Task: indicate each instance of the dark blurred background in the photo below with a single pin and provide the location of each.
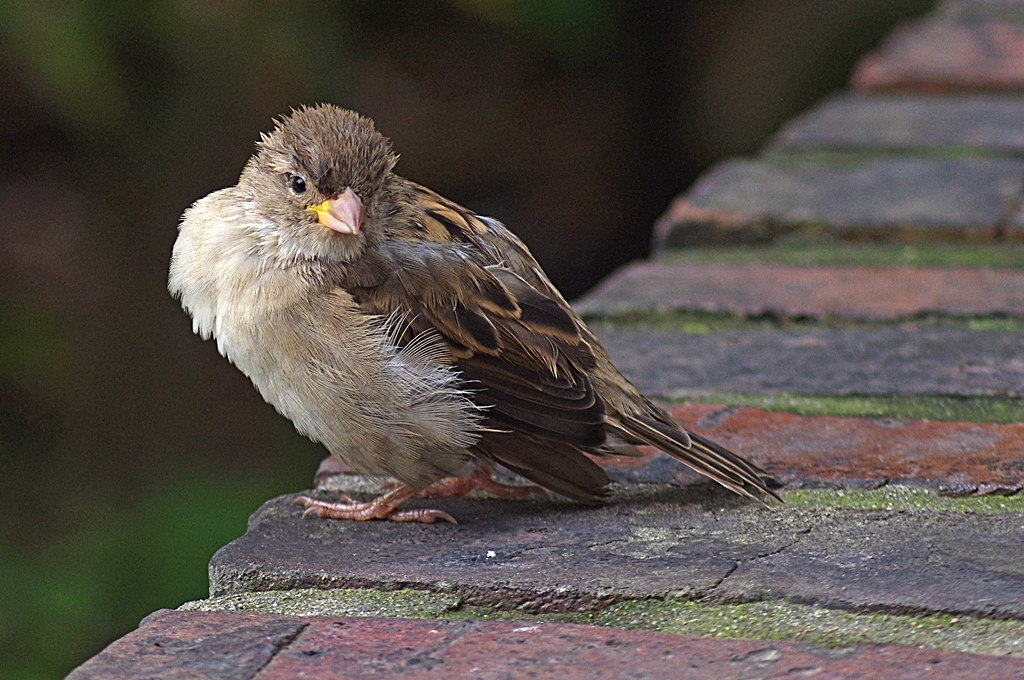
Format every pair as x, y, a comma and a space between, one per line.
129, 449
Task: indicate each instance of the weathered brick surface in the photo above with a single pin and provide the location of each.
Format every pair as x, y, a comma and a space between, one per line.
182, 645
648, 541
889, 360
509, 650
815, 292
849, 122
335, 647
800, 450
533, 555
1011, 11
941, 56
903, 561
1015, 228
896, 199
854, 453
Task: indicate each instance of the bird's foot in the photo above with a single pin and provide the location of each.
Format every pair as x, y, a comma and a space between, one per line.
481, 479
382, 507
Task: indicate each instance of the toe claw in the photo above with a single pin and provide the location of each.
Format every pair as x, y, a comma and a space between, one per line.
444, 515
424, 516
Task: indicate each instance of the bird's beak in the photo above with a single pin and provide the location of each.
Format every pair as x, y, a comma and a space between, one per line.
343, 214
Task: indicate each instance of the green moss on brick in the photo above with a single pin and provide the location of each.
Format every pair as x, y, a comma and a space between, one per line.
818, 625
415, 604
917, 407
808, 251
900, 497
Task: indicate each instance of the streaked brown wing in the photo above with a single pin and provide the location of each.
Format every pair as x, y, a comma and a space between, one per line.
520, 352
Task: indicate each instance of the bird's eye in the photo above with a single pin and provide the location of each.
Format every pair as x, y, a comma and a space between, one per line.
296, 184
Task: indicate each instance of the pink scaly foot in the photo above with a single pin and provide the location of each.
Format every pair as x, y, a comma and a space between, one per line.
480, 478
382, 507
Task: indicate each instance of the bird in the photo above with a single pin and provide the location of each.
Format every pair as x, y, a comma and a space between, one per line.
415, 339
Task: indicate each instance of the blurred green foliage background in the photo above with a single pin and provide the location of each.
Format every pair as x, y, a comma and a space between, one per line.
129, 450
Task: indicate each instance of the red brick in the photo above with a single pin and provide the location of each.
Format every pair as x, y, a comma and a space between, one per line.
985, 457
329, 647
904, 199
847, 292
171, 644
329, 467
990, 123
800, 450
940, 57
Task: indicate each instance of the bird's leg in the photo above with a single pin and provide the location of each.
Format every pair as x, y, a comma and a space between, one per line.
382, 507
481, 478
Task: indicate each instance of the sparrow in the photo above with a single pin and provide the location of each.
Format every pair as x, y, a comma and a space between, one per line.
413, 338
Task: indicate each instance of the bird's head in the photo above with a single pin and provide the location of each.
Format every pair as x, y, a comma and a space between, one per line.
323, 180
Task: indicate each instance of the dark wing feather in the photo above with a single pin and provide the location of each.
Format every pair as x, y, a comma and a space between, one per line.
703, 455
566, 411
537, 311
629, 414
554, 465
520, 352
550, 392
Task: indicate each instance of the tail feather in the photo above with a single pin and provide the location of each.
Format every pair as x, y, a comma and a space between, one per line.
557, 466
703, 455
